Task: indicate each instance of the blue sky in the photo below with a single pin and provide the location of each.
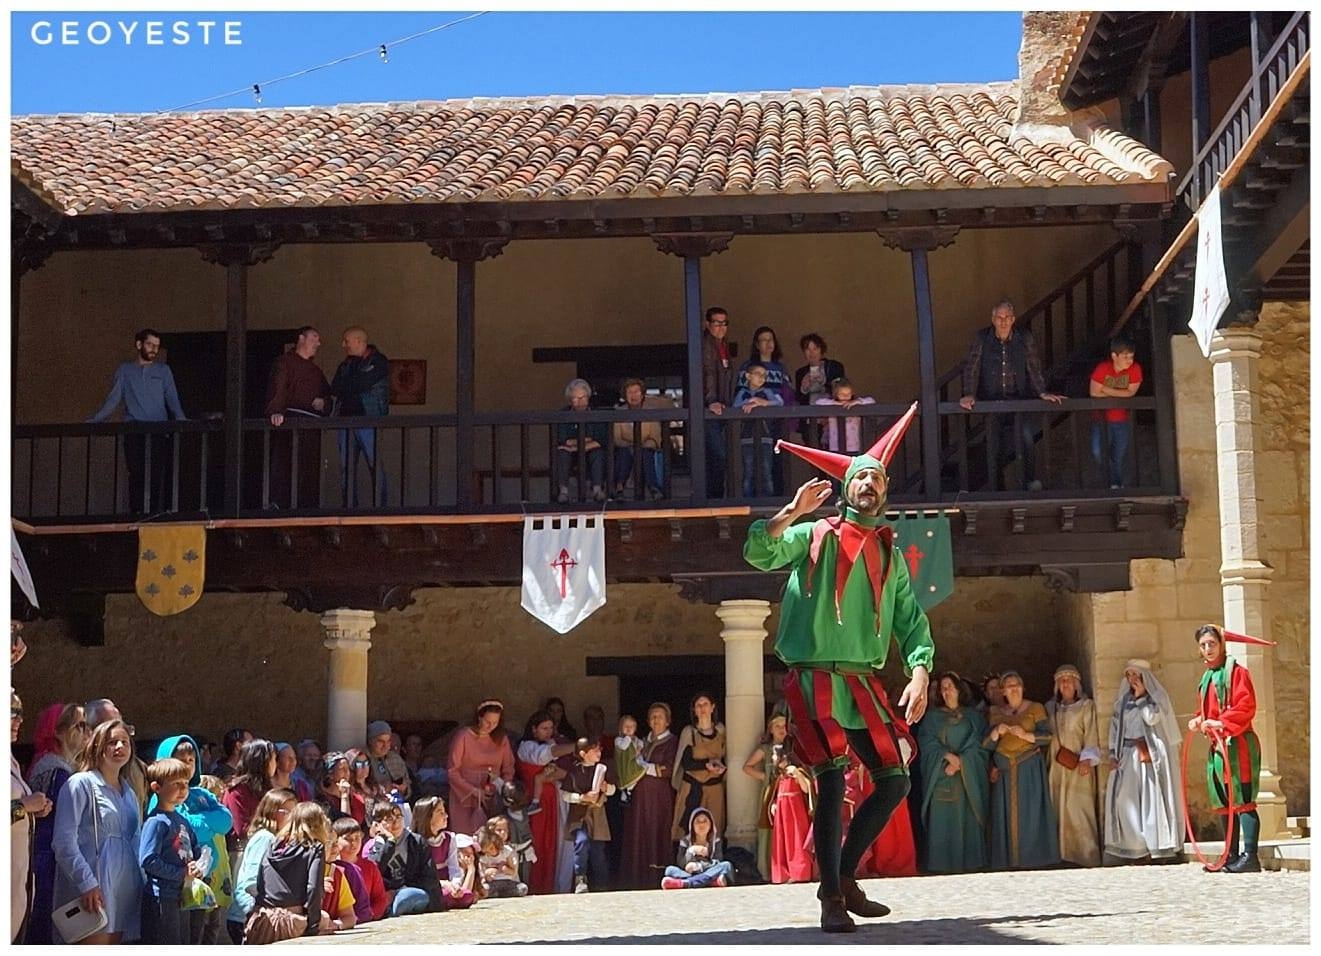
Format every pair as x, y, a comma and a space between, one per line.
499, 54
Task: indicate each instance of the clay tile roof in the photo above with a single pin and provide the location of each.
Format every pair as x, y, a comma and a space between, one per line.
858, 139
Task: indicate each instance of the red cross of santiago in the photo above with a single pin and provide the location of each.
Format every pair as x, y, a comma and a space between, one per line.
914, 558
562, 564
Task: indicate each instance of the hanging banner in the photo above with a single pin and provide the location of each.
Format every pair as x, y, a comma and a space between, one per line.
924, 541
171, 567
19, 566
563, 568
1211, 288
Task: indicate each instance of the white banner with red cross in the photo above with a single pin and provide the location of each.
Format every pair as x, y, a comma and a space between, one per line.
563, 568
1210, 287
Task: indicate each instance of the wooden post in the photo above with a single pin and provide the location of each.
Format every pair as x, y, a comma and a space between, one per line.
691, 247
236, 258
917, 241
692, 313
1151, 133
15, 298
236, 349
466, 253
465, 379
1199, 53
926, 356
1162, 373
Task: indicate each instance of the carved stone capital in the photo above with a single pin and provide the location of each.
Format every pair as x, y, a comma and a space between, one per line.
686, 244
319, 600
467, 250
909, 238
238, 253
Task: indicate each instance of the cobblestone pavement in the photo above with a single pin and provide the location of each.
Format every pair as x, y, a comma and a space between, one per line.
1144, 904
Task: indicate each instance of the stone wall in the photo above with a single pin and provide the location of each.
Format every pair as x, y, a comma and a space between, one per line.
248, 659
1169, 599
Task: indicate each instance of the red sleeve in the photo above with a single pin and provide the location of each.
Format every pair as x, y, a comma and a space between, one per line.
234, 804
1099, 373
1237, 717
371, 875
1135, 374
277, 394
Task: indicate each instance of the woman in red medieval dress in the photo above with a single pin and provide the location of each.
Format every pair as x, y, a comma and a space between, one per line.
536, 768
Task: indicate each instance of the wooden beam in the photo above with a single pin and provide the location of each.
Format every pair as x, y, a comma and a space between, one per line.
1199, 51
236, 346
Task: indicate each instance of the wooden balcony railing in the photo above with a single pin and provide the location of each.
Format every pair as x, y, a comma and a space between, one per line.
408, 464
1228, 139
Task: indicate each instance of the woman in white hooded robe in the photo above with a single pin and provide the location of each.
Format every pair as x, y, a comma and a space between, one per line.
1143, 802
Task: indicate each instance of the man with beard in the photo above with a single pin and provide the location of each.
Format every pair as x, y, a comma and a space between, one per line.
146, 389
1226, 705
847, 597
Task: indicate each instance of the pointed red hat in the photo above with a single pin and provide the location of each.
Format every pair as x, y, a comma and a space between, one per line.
1246, 639
838, 466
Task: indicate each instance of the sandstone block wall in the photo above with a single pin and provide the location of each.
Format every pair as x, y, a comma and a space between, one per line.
237, 659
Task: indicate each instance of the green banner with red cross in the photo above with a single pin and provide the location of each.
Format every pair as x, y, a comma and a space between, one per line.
924, 542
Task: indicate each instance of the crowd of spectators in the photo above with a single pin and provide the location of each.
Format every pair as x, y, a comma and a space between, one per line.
250, 840
1002, 364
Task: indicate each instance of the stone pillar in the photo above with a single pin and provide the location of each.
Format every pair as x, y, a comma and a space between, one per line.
1244, 576
349, 637
744, 635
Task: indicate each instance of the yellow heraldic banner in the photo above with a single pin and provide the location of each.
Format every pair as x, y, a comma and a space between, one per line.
171, 567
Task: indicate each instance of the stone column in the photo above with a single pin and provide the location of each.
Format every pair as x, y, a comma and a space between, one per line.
744, 635
1244, 576
349, 637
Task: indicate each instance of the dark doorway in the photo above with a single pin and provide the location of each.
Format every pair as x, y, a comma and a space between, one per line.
672, 680
197, 360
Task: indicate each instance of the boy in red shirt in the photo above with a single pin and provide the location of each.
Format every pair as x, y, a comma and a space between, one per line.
1120, 376
349, 834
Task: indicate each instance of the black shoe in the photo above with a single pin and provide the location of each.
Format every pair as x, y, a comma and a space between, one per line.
855, 900
835, 916
1245, 862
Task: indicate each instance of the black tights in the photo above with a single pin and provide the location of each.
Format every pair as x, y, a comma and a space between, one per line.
869, 819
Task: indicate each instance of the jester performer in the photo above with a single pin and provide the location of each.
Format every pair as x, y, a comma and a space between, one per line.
1226, 704
847, 596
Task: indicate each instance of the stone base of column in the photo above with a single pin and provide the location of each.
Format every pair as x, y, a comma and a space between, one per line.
1272, 808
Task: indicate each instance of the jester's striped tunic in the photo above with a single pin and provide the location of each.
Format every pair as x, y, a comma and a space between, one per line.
1226, 694
834, 650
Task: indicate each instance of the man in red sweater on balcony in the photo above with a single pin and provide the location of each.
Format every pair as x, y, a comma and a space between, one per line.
297, 385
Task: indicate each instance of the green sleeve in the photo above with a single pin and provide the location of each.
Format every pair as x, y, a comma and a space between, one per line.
911, 628
766, 553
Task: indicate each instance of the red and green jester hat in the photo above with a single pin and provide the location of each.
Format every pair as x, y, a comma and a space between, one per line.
848, 595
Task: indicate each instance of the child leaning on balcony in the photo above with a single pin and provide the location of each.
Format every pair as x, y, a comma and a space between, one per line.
751, 396
843, 435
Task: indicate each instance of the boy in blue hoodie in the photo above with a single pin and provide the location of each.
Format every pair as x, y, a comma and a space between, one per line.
758, 464
210, 819
168, 854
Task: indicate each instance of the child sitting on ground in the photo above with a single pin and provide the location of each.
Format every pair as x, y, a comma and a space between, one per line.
168, 852
338, 899
701, 856
518, 827
585, 789
292, 879
430, 820
372, 902
757, 463
498, 865
404, 859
